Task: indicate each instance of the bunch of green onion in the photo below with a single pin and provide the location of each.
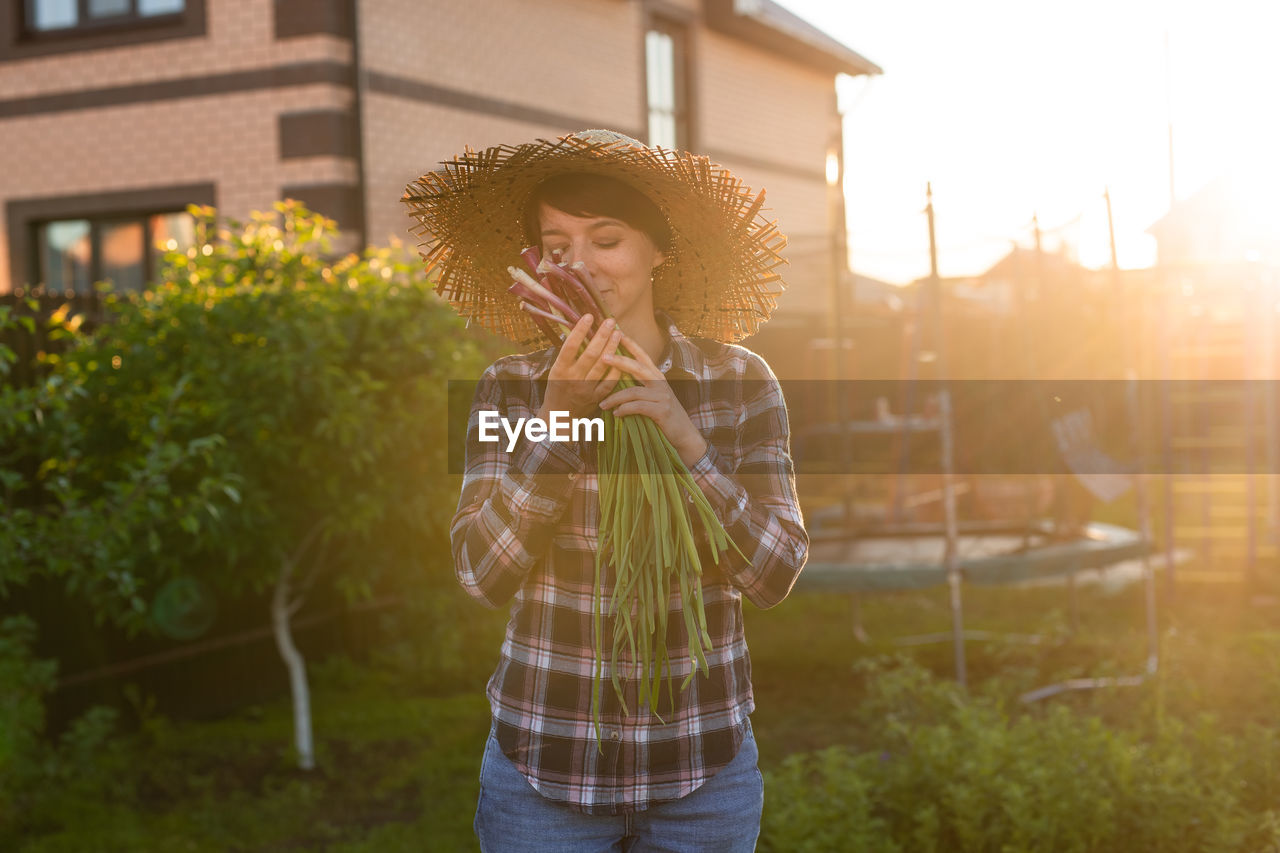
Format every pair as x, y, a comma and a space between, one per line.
648, 500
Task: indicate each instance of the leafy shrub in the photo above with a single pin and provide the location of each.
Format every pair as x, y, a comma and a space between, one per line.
440, 641
24, 682
30, 767
964, 773
263, 404
324, 380
824, 801
265, 417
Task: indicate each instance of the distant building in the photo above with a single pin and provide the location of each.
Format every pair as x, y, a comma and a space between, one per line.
1233, 219
115, 116
800, 342
1002, 289
869, 294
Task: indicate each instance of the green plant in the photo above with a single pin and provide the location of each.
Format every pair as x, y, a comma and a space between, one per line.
64, 513
965, 773
264, 418
31, 769
823, 801
24, 682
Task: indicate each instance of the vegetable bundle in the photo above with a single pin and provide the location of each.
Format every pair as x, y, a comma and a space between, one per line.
648, 500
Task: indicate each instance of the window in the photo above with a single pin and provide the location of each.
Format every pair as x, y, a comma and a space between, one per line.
45, 27
49, 16
666, 85
71, 254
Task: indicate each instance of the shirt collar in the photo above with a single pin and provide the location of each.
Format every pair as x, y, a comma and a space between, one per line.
680, 353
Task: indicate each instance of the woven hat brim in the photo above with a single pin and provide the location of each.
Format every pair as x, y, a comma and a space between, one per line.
719, 279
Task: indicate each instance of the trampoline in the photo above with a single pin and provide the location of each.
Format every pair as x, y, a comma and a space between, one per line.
911, 556
844, 558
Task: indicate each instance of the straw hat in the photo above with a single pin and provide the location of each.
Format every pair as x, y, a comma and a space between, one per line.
717, 282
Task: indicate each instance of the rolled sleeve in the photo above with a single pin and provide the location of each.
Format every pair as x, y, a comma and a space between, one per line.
727, 497
755, 499
510, 503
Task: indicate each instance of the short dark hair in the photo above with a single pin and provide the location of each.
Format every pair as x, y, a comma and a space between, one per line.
585, 194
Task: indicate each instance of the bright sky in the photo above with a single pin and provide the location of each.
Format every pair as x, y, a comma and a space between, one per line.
1012, 108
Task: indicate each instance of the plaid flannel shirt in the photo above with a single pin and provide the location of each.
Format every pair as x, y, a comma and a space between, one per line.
526, 529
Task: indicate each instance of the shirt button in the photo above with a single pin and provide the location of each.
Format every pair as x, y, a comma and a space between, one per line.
614, 736
573, 478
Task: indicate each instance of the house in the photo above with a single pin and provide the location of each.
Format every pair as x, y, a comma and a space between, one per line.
1020, 317
114, 117
800, 342
1230, 220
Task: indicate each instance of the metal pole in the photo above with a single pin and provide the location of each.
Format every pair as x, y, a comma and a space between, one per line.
1111, 236
1168, 109
839, 262
950, 557
1139, 453
1166, 430
908, 405
1029, 371
1267, 318
1144, 526
841, 249
1250, 408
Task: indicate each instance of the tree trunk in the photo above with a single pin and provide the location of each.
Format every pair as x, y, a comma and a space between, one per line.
282, 610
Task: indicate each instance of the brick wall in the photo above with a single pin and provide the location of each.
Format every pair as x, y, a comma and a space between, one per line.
771, 122
754, 104
435, 77
240, 36
140, 138
575, 57
548, 70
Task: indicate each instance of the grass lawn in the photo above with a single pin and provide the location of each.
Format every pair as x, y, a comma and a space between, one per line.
398, 759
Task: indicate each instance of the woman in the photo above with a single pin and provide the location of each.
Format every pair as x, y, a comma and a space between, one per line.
675, 245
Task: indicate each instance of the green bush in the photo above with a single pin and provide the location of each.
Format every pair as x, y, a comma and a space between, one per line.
31, 768
24, 682
265, 418
439, 641
263, 409
824, 801
969, 773
324, 381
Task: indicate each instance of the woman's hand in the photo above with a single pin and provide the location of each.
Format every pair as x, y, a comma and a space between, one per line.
655, 399
577, 382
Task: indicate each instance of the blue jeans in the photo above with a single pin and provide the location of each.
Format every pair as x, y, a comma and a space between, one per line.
722, 815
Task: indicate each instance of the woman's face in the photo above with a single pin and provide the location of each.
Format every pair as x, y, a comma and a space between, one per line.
619, 257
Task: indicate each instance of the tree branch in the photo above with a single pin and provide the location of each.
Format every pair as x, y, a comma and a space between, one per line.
317, 566
307, 539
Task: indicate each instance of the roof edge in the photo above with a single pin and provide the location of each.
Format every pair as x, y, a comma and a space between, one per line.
766, 24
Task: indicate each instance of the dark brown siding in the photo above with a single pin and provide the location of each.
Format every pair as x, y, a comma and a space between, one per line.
318, 133
297, 74
309, 17
336, 201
